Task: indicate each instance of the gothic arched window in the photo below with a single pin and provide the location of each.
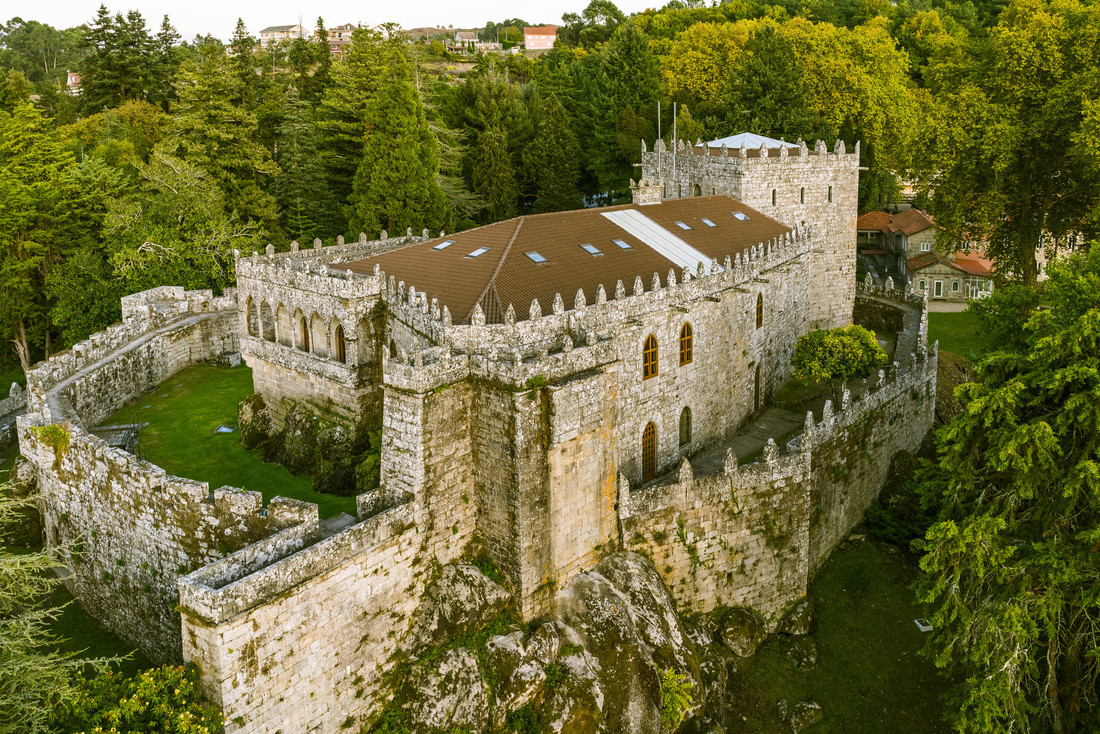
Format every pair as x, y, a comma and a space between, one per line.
686, 345
649, 357
685, 426
649, 452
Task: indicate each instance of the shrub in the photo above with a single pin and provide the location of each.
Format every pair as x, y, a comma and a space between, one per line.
676, 697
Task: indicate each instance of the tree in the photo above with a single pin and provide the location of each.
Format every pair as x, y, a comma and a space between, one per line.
307, 206
837, 355
767, 89
166, 62
119, 61
593, 26
176, 230
1009, 133
493, 178
555, 161
1011, 565
211, 132
395, 185
34, 676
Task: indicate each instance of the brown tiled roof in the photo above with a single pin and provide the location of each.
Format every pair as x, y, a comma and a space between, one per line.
966, 262
506, 275
541, 30
909, 221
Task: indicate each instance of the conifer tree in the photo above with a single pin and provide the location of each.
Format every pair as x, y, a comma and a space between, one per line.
555, 160
244, 66
118, 64
396, 184
493, 179
166, 62
307, 206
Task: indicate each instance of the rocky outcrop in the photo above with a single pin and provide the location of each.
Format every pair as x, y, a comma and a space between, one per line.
801, 715
742, 630
460, 600
799, 619
253, 421
450, 694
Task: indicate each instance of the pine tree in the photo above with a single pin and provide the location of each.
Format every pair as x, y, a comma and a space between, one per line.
355, 82
244, 66
119, 63
396, 185
555, 160
165, 64
308, 208
494, 180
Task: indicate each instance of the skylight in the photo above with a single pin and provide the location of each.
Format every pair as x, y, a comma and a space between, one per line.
742, 216
623, 244
682, 225
707, 222
477, 252
444, 245
591, 249
536, 257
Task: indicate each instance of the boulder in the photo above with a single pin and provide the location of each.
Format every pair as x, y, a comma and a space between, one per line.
296, 445
805, 714
742, 630
576, 703
623, 615
799, 619
801, 651
23, 479
335, 444
460, 600
253, 421
521, 669
450, 695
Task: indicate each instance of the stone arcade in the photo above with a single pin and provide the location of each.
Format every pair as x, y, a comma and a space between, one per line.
561, 386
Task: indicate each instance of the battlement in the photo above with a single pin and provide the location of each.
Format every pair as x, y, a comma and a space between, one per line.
820, 152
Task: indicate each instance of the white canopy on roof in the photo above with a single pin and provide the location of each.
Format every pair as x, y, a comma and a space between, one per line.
750, 141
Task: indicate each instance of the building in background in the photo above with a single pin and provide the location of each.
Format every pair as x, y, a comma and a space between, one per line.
539, 37
339, 38
277, 33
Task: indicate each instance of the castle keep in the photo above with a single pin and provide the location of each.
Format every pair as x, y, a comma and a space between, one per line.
557, 385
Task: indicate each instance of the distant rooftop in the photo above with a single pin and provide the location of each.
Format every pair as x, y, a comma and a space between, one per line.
749, 140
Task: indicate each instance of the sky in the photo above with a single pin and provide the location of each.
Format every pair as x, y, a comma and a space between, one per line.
219, 18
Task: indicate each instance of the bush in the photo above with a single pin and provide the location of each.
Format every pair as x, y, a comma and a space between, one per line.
676, 698
161, 700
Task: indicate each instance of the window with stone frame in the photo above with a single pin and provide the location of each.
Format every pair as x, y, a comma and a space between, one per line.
649, 357
685, 426
649, 452
686, 345
303, 330
340, 351
759, 310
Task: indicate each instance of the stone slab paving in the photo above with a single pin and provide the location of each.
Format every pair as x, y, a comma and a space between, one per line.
771, 423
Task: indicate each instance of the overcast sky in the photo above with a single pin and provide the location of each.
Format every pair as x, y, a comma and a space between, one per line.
219, 18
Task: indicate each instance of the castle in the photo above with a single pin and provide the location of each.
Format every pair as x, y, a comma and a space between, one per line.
557, 385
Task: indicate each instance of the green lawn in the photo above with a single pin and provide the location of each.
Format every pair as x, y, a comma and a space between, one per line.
956, 332
10, 372
869, 677
81, 635
183, 414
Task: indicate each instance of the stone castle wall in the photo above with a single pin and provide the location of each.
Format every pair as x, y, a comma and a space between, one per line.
753, 535
128, 529
798, 187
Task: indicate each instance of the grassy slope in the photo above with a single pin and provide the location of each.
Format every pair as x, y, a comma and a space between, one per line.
869, 677
10, 372
183, 413
956, 332
80, 634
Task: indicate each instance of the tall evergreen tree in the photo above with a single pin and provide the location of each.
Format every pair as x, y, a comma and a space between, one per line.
555, 160
242, 46
119, 63
166, 61
355, 82
307, 207
212, 133
768, 91
494, 180
396, 184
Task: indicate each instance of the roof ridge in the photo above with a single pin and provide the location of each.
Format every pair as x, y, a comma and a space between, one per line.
493, 278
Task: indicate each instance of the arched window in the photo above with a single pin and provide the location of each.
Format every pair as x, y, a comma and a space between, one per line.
393, 350
303, 330
954, 286
773, 197
686, 354
759, 310
697, 191
267, 321
830, 194
685, 426
251, 314
649, 452
340, 353
649, 357
802, 195
921, 285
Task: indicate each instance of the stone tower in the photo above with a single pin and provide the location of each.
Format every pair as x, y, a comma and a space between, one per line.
786, 181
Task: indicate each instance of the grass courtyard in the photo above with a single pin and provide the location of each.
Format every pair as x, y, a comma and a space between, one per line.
183, 414
956, 332
869, 677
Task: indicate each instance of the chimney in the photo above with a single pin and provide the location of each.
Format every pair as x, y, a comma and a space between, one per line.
647, 191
